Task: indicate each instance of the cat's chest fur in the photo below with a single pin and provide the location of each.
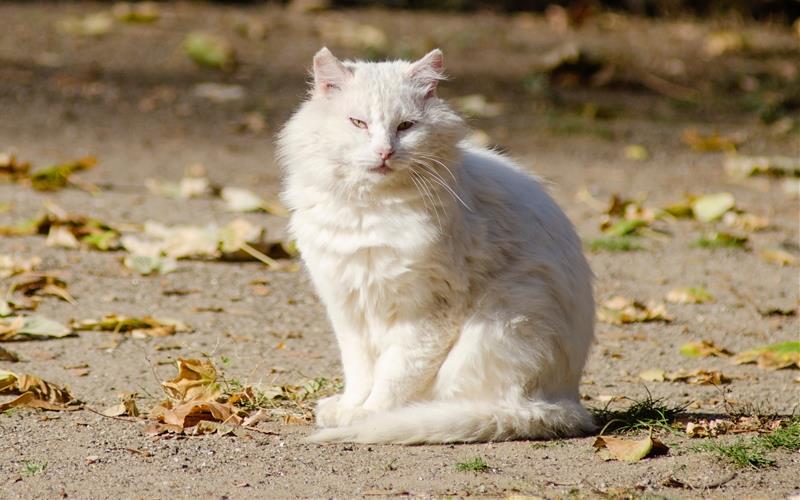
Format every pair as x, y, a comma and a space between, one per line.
386, 261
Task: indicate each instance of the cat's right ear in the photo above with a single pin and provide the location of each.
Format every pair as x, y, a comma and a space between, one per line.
329, 72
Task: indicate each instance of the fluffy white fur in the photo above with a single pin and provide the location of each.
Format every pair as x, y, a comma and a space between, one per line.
457, 288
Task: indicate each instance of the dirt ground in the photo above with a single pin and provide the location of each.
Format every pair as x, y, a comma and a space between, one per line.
130, 99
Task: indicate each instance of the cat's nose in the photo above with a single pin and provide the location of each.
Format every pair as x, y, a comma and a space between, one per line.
386, 153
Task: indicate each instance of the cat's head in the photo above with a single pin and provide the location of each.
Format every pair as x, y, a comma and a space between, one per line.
369, 124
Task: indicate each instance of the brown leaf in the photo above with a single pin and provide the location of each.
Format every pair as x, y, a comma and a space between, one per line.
33, 392
621, 310
196, 381
42, 284
699, 377
190, 414
6, 355
145, 326
126, 407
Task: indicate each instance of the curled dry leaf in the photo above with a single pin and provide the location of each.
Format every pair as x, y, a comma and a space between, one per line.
12, 170
58, 176
41, 284
775, 166
89, 231
778, 256
699, 377
689, 295
711, 142
33, 392
136, 327
620, 310
6, 355
745, 221
11, 265
628, 450
196, 381
126, 407
31, 327
720, 239
773, 356
703, 349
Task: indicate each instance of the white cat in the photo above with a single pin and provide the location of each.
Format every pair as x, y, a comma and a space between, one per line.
458, 291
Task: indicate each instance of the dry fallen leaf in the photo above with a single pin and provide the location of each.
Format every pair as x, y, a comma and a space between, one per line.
145, 326
33, 392
703, 349
196, 381
711, 142
139, 12
41, 284
745, 221
710, 207
698, 377
653, 375
776, 166
689, 295
6, 355
628, 450
773, 356
11, 265
620, 310
31, 327
778, 256
58, 176
126, 407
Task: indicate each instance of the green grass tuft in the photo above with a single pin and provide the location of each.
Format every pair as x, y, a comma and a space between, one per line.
741, 453
476, 464
753, 452
613, 244
648, 413
31, 468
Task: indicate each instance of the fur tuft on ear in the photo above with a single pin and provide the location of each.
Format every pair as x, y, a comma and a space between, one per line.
428, 70
329, 72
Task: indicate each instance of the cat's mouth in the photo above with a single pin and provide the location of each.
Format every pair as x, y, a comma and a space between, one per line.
382, 169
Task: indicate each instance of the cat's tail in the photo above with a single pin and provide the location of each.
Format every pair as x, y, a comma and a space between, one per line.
463, 422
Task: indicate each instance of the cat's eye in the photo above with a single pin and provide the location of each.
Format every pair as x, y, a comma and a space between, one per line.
358, 123
404, 126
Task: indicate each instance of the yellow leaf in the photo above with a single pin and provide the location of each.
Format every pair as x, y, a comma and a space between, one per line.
703, 349
628, 450
778, 256
710, 207
689, 295
773, 356
652, 375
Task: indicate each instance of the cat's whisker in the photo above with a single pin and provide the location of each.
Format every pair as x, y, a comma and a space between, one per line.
426, 194
440, 162
438, 179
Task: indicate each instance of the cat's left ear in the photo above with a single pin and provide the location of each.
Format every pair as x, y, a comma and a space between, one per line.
428, 71
329, 72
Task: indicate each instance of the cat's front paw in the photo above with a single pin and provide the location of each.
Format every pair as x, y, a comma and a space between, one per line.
333, 412
327, 411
